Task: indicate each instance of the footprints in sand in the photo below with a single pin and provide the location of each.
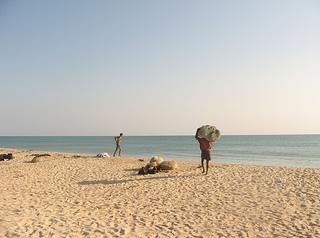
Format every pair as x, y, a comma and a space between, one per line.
85, 197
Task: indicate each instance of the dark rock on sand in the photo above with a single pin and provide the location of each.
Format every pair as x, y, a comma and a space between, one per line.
4, 157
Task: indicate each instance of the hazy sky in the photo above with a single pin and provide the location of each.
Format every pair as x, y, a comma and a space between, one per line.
159, 67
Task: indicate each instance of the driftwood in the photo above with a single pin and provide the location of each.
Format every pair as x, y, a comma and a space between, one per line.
40, 155
36, 157
35, 160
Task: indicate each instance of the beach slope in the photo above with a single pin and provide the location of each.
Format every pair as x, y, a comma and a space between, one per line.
63, 195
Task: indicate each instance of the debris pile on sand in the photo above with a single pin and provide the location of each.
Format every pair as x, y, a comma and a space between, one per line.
158, 164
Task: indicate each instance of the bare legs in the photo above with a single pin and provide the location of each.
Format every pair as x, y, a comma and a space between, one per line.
207, 165
117, 148
202, 165
205, 155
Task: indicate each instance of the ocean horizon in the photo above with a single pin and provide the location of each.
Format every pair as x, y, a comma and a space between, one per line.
275, 150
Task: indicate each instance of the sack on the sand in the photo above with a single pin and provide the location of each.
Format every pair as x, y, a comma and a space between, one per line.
168, 165
103, 155
157, 159
211, 133
152, 164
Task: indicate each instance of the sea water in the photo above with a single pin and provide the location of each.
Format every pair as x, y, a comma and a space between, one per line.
279, 150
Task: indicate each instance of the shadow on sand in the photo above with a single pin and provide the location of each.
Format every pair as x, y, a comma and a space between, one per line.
108, 182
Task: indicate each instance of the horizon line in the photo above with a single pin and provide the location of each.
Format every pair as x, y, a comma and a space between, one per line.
280, 134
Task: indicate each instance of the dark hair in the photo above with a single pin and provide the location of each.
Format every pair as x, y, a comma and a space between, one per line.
121, 134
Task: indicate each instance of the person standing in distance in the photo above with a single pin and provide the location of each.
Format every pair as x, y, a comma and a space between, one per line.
205, 147
118, 140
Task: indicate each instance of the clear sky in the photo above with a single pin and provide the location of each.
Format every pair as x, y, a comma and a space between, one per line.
159, 67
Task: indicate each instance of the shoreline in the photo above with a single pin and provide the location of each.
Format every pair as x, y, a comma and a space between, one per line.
96, 197
288, 151
196, 161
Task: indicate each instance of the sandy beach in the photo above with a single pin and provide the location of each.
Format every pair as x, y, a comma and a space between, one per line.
64, 195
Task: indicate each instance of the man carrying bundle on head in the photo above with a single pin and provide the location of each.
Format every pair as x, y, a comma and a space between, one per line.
206, 135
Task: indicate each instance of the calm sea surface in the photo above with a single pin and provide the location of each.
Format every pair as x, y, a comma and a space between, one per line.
283, 150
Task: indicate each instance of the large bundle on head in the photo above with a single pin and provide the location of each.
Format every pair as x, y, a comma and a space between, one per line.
211, 133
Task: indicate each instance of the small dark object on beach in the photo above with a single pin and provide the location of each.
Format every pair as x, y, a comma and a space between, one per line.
153, 170
4, 157
143, 171
149, 170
